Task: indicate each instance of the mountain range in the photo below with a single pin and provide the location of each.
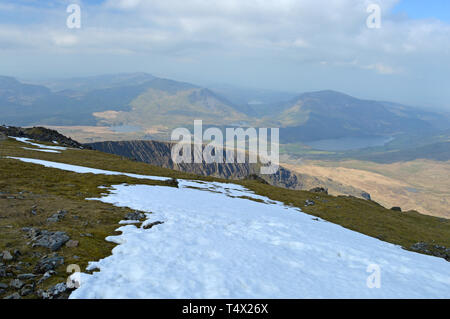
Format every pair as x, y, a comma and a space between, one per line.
152, 104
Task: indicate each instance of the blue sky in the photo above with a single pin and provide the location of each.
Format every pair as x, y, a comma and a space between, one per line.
424, 9
289, 45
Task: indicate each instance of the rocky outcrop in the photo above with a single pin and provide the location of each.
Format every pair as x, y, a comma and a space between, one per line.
159, 154
39, 134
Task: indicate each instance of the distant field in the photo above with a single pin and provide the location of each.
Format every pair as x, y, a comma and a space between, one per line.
421, 185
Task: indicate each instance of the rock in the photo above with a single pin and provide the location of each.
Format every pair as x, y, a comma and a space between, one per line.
4, 272
366, 196
27, 290
49, 263
148, 226
72, 243
3, 286
16, 283
6, 255
47, 275
17, 253
86, 235
47, 239
2, 291
173, 182
135, 216
432, 249
26, 276
319, 190
13, 296
309, 202
396, 209
57, 217
55, 291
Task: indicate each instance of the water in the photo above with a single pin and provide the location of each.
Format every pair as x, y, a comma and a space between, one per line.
349, 143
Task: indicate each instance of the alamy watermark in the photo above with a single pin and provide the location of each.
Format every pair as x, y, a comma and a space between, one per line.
74, 19
210, 146
374, 19
374, 279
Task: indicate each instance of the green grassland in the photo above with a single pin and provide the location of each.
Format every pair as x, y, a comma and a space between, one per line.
23, 185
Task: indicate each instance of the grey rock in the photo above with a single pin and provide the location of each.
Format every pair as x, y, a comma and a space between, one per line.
27, 290
57, 217
319, 190
86, 235
47, 275
13, 296
55, 291
366, 196
432, 249
149, 226
52, 240
3, 286
7, 256
48, 263
135, 216
309, 202
2, 291
26, 276
16, 283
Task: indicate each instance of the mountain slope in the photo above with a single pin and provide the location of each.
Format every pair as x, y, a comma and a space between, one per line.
208, 226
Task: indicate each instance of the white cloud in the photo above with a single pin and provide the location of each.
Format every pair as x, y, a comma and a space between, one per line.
328, 34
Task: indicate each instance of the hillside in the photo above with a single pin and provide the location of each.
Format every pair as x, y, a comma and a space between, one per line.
44, 193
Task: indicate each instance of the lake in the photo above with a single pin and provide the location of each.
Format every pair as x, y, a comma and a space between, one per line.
349, 143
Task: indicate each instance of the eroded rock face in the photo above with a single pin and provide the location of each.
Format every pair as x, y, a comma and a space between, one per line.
160, 154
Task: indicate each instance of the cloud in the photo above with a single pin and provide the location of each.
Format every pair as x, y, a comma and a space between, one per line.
332, 35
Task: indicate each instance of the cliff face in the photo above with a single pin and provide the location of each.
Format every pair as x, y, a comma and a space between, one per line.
159, 154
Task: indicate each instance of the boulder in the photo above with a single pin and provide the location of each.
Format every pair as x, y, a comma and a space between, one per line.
7, 256
319, 190
49, 263
309, 202
16, 283
135, 216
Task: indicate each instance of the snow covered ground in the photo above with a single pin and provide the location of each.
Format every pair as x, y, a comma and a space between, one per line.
214, 244
41, 147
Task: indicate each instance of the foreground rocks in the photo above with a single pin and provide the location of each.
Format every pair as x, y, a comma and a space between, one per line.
57, 217
135, 216
47, 239
431, 249
48, 263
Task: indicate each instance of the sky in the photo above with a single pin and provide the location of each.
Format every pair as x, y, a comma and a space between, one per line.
286, 45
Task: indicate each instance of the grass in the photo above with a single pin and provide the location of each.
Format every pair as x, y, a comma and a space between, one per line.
51, 190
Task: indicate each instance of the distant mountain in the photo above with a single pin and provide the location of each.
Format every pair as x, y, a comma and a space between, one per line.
91, 83
159, 105
331, 115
